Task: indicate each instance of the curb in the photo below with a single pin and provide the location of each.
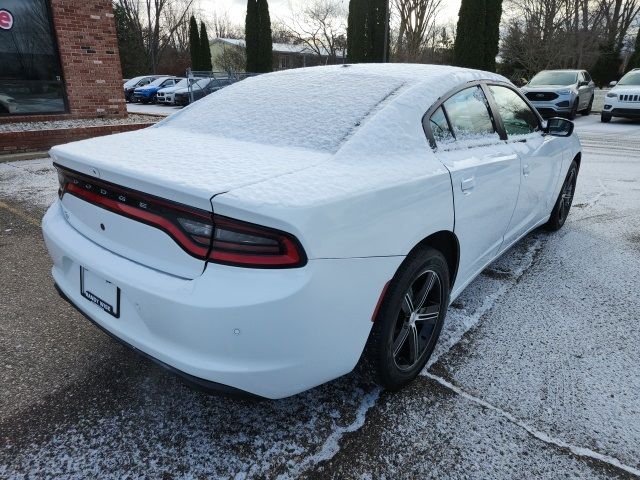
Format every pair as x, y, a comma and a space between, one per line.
17, 157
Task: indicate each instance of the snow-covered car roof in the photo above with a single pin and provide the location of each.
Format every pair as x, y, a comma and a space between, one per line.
316, 108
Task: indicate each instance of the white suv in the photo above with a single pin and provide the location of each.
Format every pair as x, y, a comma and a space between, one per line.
624, 98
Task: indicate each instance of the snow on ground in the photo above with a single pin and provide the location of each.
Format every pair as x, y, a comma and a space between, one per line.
536, 373
153, 109
74, 123
31, 182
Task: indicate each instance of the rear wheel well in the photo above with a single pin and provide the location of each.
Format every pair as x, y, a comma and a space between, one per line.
578, 159
446, 243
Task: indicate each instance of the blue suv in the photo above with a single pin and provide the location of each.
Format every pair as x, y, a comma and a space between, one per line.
147, 94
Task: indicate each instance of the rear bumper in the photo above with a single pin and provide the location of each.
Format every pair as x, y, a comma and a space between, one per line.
272, 333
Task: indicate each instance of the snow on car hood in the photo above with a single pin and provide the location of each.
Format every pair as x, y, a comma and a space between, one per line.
184, 166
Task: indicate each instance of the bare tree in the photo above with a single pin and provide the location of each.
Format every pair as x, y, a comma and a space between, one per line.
417, 27
156, 23
222, 26
564, 33
320, 25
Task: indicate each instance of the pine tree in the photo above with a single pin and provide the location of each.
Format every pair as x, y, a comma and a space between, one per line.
469, 47
194, 44
251, 35
378, 20
205, 50
356, 31
366, 30
607, 67
492, 33
265, 45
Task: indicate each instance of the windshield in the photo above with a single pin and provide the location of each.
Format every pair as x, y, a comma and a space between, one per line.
554, 78
182, 83
631, 78
157, 82
132, 82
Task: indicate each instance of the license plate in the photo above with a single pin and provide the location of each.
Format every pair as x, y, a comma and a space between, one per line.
100, 292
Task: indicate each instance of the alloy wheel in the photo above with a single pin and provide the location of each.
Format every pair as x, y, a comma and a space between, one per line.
566, 197
417, 319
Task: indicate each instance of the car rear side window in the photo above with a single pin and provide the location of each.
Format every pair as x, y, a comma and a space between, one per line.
517, 117
440, 127
468, 113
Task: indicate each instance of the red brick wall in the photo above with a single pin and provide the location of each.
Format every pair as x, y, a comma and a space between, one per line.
88, 46
40, 140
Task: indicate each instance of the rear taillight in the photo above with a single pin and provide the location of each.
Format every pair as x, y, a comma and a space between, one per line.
246, 244
209, 237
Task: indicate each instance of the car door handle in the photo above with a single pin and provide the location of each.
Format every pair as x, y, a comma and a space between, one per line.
526, 170
468, 184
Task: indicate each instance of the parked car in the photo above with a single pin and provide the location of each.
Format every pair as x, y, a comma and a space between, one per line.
200, 89
131, 85
561, 92
147, 94
166, 96
258, 240
623, 100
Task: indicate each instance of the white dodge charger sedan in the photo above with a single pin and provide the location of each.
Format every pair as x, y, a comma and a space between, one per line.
260, 239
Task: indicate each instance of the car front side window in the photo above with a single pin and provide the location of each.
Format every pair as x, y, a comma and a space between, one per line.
517, 117
468, 113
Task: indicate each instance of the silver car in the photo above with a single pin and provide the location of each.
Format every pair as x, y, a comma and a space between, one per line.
561, 93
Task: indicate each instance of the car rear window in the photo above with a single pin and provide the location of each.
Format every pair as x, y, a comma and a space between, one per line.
313, 110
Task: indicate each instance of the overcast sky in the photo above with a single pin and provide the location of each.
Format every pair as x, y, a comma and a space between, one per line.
280, 8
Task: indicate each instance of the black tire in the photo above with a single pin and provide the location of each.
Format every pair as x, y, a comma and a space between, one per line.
574, 111
587, 111
561, 209
604, 118
400, 342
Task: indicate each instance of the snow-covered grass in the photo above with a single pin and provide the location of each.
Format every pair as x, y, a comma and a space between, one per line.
75, 123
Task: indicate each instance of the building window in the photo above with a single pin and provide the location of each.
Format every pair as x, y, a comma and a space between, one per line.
31, 76
285, 62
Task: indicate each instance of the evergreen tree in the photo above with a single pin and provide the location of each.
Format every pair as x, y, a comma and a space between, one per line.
194, 44
205, 50
379, 41
265, 45
251, 35
492, 33
366, 30
607, 67
469, 47
634, 61
356, 31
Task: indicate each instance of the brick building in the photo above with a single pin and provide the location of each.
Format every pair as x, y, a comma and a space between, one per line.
59, 60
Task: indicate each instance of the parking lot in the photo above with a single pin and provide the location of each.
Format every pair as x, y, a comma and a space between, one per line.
537, 372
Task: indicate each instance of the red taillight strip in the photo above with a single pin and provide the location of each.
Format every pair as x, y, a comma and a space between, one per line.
140, 215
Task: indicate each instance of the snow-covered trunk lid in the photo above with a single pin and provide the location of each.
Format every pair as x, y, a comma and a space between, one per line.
137, 194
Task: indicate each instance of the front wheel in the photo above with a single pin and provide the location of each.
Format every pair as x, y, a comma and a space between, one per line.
574, 111
604, 118
561, 209
410, 318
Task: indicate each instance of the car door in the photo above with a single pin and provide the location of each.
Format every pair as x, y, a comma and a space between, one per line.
540, 158
584, 91
485, 175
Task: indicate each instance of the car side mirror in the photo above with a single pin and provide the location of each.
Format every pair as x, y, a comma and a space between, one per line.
559, 127
613, 83
583, 83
